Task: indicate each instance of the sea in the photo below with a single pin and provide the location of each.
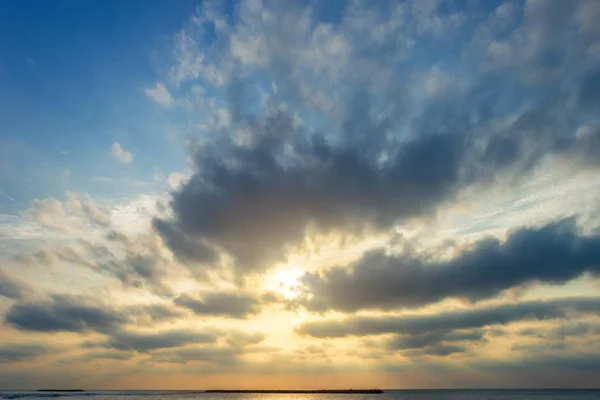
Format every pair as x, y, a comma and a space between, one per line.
471, 394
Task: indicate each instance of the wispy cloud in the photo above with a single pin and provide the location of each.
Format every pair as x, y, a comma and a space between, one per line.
160, 95
121, 155
3, 193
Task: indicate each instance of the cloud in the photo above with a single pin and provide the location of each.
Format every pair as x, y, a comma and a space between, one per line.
288, 180
440, 349
136, 260
112, 241
12, 288
217, 355
239, 338
121, 155
120, 356
160, 95
221, 304
191, 57
533, 44
239, 342
186, 248
567, 362
81, 314
478, 317
63, 313
235, 192
589, 91
138, 270
52, 255
303, 58
15, 352
86, 208
149, 314
538, 347
143, 342
430, 342
562, 332
554, 253
45, 211
54, 220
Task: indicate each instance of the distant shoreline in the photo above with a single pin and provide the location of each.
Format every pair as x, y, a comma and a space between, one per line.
345, 391
60, 390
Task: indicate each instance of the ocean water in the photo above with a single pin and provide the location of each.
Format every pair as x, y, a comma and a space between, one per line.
489, 394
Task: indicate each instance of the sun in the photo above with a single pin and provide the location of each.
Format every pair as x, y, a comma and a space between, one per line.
285, 280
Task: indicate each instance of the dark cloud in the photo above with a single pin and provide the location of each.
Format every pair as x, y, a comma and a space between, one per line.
546, 346
185, 247
432, 339
439, 349
251, 201
239, 342
110, 356
440, 342
268, 177
142, 264
545, 23
554, 253
63, 313
589, 91
21, 351
12, 288
530, 332
80, 314
136, 261
143, 342
568, 330
452, 320
567, 362
562, 332
151, 313
221, 304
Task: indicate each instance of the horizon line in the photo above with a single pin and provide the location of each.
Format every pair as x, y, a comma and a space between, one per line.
355, 389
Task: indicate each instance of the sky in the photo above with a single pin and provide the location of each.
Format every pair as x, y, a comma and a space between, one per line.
299, 194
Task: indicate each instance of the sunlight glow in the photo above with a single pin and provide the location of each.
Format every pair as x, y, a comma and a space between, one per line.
286, 280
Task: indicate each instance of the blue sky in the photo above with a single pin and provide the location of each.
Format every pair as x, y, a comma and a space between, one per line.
401, 193
73, 79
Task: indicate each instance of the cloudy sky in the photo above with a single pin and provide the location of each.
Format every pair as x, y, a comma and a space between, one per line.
298, 194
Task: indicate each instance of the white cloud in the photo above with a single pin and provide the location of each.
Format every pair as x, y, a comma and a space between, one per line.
176, 179
500, 52
437, 82
428, 19
191, 61
76, 211
160, 94
120, 154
